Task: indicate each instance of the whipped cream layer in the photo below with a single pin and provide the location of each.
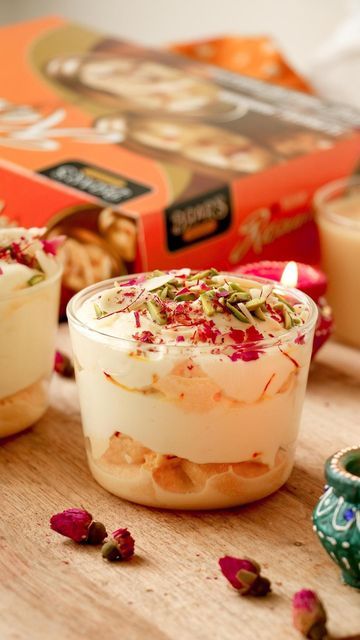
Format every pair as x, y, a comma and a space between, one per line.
206, 367
29, 300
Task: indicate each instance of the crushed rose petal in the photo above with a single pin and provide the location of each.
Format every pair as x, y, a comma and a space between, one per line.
51, 246
208, 331
145, 336
245, 355
253, 335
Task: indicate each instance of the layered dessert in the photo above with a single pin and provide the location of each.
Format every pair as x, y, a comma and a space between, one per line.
191, 385
29, 303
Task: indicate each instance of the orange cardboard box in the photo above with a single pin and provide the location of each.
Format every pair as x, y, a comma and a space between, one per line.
146, 159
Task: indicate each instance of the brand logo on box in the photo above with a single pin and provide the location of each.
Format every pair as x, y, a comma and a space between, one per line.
106, 185
197, 219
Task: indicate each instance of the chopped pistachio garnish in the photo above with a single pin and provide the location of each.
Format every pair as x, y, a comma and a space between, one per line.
157, 273
255, 303
176, 298
237, 313
284, 301
185, 297
201, 275
234, 286
99, 311
156, 313
207, 305
287, 319
246, 312
39, 277
260, 314
239, 296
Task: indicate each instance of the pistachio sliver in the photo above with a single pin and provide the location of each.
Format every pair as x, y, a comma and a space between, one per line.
260, 314
38, 277
156, 313
99, 311
237, 313
239, 296
185, 297
234, 286
163, 293
284, 301
171, 291
201, 275
255, 303
287, 319
207, 305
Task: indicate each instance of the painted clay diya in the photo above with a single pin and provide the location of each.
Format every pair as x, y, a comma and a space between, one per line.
336, 517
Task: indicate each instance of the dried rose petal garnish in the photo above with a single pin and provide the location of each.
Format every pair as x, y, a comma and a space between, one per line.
52, 245
205, 308
120, 546
79, 526
23, 246
309, 615
244, 575
63, 365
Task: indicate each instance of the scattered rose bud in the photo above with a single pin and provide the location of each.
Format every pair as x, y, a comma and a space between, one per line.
244, 575
63, 365
309, 615
120, 546
78, 525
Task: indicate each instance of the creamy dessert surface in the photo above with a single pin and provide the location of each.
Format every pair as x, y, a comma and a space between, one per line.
26, 259
181, 307
203, 369
29, 300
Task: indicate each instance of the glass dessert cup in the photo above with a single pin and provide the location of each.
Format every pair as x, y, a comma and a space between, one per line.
185, 426
337, 208
29, 320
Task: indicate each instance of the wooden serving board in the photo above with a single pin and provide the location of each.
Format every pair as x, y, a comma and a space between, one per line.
52, 589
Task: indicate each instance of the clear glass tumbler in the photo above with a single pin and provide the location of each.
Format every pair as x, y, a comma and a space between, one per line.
29, 320
182, 426
337, 208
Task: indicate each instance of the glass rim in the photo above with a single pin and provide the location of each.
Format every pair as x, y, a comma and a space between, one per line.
322, 199
286, 336
28, 291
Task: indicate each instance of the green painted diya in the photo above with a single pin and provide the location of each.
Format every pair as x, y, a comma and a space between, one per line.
336, 517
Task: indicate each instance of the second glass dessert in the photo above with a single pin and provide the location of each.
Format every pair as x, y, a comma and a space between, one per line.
30, 277
191, 385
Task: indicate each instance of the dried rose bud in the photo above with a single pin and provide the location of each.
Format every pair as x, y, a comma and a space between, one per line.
309, 615
63, 365
120, 546
78, 525
244, 575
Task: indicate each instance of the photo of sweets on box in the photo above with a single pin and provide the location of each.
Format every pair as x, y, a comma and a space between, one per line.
146, 159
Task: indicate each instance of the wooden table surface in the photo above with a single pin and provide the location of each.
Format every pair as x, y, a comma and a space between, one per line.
52, 589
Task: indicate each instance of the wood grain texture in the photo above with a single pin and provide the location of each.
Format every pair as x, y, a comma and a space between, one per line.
51, 588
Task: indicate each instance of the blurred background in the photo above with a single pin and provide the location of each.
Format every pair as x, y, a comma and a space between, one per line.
300, 27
